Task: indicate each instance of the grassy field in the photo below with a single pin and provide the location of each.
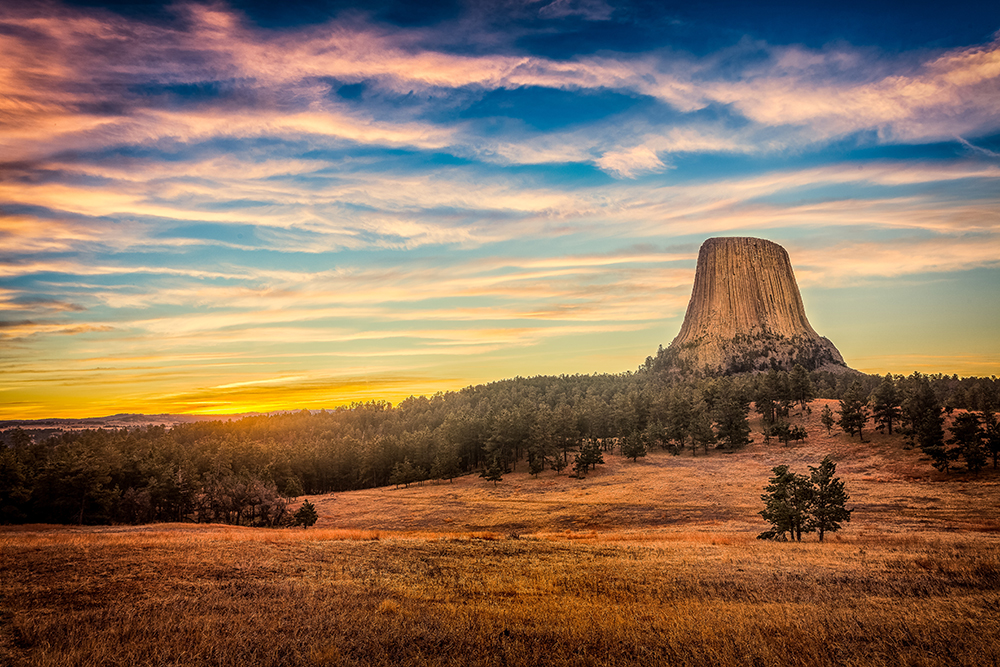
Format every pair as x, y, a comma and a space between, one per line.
653, 562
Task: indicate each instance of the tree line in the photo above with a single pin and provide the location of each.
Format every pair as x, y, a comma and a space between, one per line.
912, 407
243, 472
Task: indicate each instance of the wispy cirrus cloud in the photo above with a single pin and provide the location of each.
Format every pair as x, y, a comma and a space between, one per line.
849, 262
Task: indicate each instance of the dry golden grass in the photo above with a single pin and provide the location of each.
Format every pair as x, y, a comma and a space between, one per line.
640, 564
190, 595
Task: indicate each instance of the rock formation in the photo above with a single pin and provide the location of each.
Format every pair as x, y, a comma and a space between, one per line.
746, 314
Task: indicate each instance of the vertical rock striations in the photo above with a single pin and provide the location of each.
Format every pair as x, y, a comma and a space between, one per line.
746, 314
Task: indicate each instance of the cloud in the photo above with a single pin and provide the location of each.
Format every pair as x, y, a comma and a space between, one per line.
19, 329
847, 263
77, 268
631, 162
977, 149
278, 84
943, 95
591, 10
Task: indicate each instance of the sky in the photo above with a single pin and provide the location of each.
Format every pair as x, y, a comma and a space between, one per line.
227, 207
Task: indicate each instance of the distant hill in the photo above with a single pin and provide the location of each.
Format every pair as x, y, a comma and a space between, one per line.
127, 420
894, 491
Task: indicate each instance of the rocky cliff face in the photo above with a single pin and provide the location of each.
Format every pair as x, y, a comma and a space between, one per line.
746, 314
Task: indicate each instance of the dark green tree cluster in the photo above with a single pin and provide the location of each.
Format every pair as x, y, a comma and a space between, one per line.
970, 393
633, 446
914, 406
589, 457
775, 394
795, 504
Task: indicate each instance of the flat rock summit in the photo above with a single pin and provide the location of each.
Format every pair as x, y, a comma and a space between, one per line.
746, 314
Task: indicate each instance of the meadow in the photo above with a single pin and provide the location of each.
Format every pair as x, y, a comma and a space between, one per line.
647, 562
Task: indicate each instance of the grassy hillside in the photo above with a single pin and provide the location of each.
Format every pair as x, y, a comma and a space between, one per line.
652, 562
893, 490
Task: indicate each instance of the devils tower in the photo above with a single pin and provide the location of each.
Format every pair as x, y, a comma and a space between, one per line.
746, 314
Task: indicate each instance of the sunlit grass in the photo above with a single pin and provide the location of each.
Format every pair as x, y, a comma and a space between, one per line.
651, 563
234, 597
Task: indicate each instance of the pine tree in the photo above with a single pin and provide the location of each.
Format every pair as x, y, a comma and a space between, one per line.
796, 504
633, 446
781, 389
967, 437
787, 501
445, 466
826, 418
991, 434
802, 387
494, 472
403, 473
885, 403
764, 401
829, 498
854, 411
291, 487
782, 430
732, 425
701, 429
306, 515
655, 434
798, 433
678, 419
924, 423
590, 454
536, 464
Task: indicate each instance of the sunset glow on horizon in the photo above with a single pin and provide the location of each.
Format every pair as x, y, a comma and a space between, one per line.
214, 208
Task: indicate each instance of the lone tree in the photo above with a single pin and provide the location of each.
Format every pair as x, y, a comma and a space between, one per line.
828, 499
306, 515
796, 504
787, 501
